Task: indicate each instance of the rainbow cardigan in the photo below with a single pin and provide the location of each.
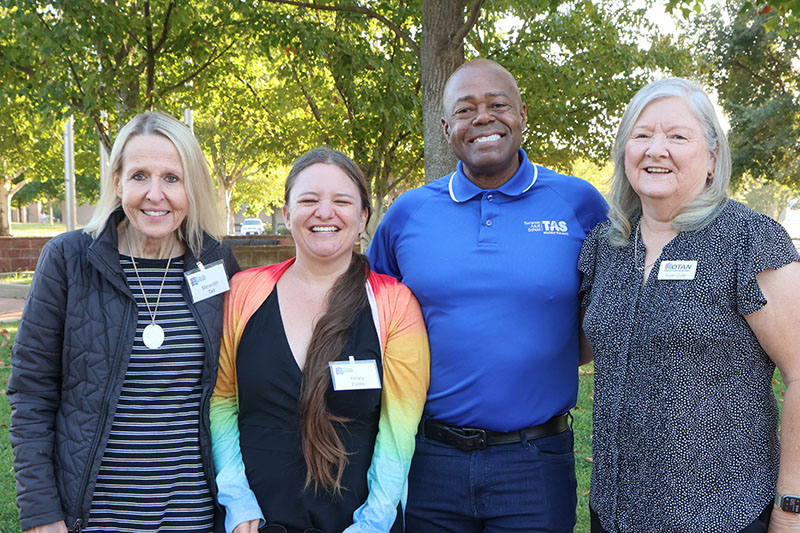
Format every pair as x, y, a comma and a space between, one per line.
406, 372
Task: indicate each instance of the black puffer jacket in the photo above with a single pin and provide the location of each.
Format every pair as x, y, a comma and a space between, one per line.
68, 364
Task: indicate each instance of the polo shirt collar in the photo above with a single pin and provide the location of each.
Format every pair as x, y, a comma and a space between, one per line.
462, 189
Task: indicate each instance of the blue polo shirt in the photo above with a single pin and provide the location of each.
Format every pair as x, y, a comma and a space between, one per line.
495, 271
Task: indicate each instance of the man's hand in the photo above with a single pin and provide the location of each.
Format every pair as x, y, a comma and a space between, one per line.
55, 527
251, 526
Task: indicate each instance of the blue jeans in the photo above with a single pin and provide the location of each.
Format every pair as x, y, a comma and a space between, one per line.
526, 487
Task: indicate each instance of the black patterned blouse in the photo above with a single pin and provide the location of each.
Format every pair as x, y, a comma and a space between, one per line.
685, 420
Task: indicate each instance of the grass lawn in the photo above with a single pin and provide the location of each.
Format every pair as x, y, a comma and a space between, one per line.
8, 509
582, 426
23, 278
31, 229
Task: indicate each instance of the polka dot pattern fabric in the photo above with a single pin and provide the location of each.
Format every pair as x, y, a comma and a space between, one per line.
685, 421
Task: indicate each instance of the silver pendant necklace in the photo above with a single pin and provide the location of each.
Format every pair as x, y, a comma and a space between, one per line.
153, 334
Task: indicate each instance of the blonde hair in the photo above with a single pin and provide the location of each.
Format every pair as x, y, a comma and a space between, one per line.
624, 203
203, 213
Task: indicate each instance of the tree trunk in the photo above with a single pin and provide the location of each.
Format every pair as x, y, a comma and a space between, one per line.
7, 192
5, 211
440, 55
378, 210
225, 194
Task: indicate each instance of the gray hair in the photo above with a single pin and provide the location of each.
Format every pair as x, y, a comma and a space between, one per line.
203, 213
625, 204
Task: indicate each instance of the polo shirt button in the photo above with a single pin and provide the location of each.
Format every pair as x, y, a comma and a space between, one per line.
490, 197
489, 222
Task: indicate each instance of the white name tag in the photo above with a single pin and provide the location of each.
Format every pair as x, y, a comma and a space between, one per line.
677, 269
207, 281
355, 375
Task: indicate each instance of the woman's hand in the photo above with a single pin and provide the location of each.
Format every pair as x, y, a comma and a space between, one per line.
55, 527
251, 526
783, 522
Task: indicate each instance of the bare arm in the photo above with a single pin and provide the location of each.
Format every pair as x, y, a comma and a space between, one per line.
585, 355
777, 327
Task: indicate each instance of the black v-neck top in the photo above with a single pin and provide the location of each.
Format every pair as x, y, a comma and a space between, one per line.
269, 423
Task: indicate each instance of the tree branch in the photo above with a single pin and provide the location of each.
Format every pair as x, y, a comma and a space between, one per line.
738, 64
17, 186
472, 18
311, 104
69, 61
165, 29
197, 72
398, 31
404, 175
25, 70
150, 59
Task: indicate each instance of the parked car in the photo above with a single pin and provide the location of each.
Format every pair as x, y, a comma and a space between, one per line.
251, 226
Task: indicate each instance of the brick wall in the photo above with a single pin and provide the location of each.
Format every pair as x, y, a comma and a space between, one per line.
20, 253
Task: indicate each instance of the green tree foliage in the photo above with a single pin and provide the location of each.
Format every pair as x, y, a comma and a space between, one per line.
28, 141
120, 57
355, 84
787, 12
766, 196
245, 126
270, 79
106, 61
755, 74
577, 67
599, 175
358, 71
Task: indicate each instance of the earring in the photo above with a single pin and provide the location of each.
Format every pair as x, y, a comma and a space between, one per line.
710, 176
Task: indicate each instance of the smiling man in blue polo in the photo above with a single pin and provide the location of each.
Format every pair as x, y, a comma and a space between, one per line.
491, 253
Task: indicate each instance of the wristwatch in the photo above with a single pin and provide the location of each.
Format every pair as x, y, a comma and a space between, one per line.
787, 502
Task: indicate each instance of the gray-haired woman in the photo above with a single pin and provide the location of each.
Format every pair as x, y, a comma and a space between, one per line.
690, 301
116, 354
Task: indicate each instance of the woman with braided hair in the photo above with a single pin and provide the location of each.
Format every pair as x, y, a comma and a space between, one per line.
323, 373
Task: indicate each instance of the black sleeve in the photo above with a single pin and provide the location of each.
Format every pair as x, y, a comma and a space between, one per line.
34, 390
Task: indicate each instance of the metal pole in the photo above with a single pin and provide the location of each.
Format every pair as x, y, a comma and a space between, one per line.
104, 170
70, 215
188, 119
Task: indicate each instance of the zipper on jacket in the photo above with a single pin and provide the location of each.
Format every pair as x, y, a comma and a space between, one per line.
100, 424
77, 526
207, 462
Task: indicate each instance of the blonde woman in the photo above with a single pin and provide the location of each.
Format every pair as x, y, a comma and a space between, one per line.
116, 354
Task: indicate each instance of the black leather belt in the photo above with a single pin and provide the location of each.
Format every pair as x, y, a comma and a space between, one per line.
468, 439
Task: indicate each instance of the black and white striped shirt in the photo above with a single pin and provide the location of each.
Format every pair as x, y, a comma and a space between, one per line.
151, 476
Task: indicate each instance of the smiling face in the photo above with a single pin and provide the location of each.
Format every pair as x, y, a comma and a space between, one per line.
324, 213
667, 159
483, 122
150, 185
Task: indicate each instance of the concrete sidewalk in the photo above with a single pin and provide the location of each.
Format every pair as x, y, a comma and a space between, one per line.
11, 309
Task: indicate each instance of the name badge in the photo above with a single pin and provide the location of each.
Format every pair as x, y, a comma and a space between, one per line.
207, 281
355, 375
677, 269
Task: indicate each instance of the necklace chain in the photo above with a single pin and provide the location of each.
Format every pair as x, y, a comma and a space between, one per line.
636, 249
163, 280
